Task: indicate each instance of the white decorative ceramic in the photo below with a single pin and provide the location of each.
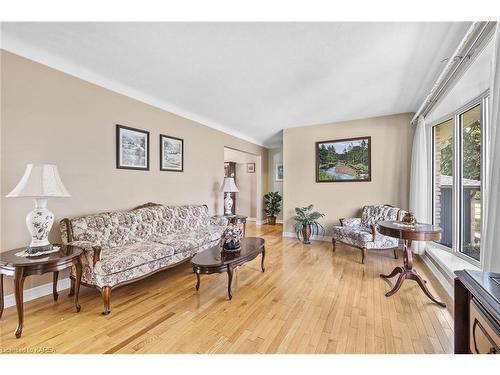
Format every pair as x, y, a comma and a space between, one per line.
39, 221
228, 204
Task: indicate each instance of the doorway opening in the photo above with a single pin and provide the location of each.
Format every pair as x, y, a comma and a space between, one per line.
246, 169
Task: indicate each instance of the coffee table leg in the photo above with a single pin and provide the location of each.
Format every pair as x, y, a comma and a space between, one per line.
18, 286
197, 280
54, 286
262, 260
229, 280
1, 295
72, 287
78, 280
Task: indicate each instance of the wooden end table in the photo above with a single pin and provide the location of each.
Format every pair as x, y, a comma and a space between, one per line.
409, 233
20, 267
213, 260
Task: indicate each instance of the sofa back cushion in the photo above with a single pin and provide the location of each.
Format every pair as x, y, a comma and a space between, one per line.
119, 228
373, 214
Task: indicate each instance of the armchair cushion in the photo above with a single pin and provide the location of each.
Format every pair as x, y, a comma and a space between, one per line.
356, 236
362, 233
351, 222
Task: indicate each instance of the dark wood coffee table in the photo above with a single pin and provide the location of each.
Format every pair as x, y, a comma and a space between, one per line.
214, 260
408, 233
20, 267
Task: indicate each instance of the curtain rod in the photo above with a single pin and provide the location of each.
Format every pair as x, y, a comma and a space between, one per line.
475, 38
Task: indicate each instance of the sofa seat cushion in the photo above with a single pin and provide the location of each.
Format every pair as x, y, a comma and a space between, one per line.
357, 236
119, 259
191, 240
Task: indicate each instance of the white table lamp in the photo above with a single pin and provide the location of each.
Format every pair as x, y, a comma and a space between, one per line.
229, 187
40, 182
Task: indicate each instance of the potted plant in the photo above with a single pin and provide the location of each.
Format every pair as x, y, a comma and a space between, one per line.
306, 223
272, 203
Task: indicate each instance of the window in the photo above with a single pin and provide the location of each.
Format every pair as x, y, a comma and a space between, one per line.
443, 180
457, 165
470, 129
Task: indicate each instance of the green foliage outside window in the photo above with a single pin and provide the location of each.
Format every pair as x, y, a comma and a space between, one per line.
471, 154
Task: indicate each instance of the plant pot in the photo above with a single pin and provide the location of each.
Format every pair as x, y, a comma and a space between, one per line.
271, 220
306, 234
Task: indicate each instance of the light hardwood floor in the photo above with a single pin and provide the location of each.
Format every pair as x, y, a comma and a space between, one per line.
309, 300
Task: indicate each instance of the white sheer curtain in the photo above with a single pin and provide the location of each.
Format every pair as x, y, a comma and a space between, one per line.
419, 184
490, 240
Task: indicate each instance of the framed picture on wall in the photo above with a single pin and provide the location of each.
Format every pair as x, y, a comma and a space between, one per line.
279, 172
132, 148
171, 154
250, 167
343, 160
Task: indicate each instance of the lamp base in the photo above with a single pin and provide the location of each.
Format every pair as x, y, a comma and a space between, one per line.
39, 221
33, 251
228, 205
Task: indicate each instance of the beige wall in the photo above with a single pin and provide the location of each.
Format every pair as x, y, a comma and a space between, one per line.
249, 197
50, 117
275, 156
392, 138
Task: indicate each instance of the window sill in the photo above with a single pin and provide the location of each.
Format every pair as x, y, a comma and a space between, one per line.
448, 261
443, 264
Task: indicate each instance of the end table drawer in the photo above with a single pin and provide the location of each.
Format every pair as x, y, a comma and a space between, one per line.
484, 331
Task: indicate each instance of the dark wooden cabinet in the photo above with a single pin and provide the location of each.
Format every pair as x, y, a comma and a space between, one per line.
230, 171
477, 312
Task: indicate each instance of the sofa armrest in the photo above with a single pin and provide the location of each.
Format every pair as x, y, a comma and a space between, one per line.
218, 220
350, 222
90, 249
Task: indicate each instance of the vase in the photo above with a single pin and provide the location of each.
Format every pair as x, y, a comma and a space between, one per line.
306, 234
232, 246
271, 220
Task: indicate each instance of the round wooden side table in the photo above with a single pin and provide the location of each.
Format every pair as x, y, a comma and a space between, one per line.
409, 233
20, 267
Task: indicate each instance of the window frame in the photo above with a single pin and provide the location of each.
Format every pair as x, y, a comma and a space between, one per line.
457, 163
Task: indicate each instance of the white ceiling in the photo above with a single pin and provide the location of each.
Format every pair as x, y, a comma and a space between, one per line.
251, 79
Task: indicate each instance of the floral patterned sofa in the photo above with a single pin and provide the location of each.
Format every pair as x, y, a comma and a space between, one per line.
125, 246
362, 232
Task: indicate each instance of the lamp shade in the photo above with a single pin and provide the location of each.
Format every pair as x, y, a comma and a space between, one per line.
40, 181
229, 186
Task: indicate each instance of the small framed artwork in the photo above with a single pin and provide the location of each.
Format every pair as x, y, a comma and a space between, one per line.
250, 167
344, 160
171, 154
279, 172
132, 148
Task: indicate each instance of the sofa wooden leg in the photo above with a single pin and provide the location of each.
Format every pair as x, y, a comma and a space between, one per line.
106, 297
363, 255
333, 244
396, 253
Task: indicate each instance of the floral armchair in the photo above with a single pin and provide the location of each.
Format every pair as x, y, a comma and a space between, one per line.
362, 232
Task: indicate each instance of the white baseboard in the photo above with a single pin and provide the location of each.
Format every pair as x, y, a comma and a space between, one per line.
314, 238
251, 219
262, 222
37, 292
438, 274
